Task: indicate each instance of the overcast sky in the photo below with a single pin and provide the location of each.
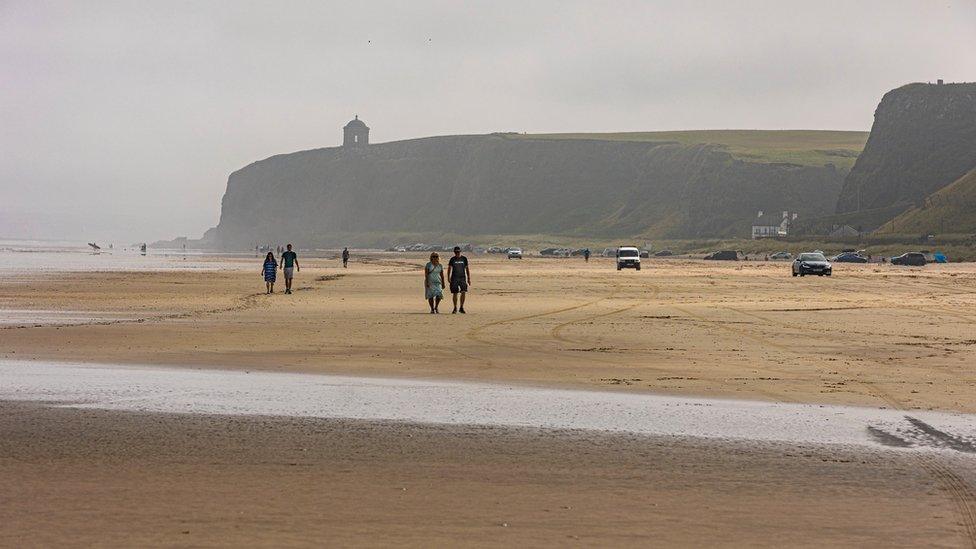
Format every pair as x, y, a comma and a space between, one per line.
122, 120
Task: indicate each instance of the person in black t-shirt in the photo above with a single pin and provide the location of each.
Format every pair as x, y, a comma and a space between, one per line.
459, 276
289, 262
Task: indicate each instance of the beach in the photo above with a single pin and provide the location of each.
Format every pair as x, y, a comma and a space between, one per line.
187, 407
872, 335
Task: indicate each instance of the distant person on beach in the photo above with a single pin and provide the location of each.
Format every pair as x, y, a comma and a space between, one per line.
289, 262
345, 257
434, 282
460, 277
270, 270
586, 255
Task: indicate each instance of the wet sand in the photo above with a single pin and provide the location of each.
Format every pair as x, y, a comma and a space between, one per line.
225, 392
91, 477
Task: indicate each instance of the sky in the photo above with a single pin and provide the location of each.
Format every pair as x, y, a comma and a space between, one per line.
120, 121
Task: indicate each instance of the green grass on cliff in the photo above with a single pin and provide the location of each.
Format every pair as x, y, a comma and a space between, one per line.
802, 147
950, 210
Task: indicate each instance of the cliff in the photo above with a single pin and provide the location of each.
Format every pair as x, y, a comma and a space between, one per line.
923, 138
951, 209
502, 184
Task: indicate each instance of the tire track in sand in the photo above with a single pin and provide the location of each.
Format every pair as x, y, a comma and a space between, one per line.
475, 334
871, 387
960, 493
556, 333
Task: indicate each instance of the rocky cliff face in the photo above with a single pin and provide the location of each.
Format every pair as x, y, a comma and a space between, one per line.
492, 184
923, 138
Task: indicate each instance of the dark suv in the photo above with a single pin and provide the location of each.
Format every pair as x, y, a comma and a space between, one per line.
911, 258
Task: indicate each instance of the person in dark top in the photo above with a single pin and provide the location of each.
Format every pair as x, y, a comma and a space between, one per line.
460, 276
269, 269
345, 257
586, 255
289, 262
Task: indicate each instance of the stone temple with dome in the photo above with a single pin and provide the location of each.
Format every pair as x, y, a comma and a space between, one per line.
355, 133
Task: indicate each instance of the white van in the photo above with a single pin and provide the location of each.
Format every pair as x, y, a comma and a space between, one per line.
628, 257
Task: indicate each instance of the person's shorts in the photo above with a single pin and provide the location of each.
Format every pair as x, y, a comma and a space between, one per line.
434, 292
459, 286
289, 272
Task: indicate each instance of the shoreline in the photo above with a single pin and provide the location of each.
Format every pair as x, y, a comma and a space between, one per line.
152, 389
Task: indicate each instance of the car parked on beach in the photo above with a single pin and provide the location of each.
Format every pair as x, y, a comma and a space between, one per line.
849, 257
812, 263
781, 256
723, 255
515, 253
915, 259
628, 257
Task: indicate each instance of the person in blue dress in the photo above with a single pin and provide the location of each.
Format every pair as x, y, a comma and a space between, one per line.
269, 269
434, 282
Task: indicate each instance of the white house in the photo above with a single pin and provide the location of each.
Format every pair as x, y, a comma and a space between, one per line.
770, 226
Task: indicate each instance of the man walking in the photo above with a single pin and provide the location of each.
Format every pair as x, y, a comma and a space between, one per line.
289, 262
345, 257
460, 277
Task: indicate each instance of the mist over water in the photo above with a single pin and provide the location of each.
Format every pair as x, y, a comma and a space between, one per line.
29, 258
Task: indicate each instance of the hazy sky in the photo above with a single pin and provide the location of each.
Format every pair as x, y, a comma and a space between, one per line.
121, 120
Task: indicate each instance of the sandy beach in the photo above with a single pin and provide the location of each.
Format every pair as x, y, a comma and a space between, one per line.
92, 477
874, 336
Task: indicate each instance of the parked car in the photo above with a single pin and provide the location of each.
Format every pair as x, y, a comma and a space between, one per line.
781, 256
609, 252
548, 251
628, 257
812, 263
515, 253
495, 250
916, 259
663, 253
645, 253
849, 257
724, 255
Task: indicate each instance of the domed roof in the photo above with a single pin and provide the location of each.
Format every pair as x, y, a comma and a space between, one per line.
355, 123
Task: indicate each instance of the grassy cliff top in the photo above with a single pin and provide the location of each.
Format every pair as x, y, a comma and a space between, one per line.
952, 209
802, 147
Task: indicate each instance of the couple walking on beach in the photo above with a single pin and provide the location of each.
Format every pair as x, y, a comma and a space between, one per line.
458, 274
289, 264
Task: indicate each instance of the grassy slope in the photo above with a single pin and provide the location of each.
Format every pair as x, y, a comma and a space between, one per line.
802, 147
951, 209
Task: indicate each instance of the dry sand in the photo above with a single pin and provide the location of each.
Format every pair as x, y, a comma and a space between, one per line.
870, 335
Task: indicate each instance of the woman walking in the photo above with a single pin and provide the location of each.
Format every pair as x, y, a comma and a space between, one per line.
434, 282
269, 269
